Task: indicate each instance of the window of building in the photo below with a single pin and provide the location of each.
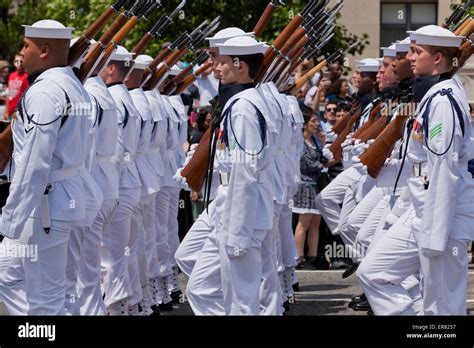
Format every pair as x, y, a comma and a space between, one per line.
398, 17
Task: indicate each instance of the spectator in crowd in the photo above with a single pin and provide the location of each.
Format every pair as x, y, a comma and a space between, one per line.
335, 71
329, 118
339, 92
312, 162
5, 72
17, 85
342, 111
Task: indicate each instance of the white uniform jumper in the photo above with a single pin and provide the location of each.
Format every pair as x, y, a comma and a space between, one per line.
48, 154
116, 235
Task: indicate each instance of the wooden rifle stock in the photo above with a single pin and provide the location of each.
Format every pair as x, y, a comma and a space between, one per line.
188, 80
264, 19
150, 69
171, 86
161, 71
81, 45
195, 171
117, 39
94, 54
374, 130
372, 118
336, 146
377, 153
140, 46
306, 77
463, 26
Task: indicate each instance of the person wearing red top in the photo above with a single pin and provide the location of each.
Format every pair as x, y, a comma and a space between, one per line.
17, 85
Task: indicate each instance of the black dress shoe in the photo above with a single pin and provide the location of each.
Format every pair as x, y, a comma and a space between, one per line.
176, 296
286, 305
350, 270
362, 306
320, 263
166, 307
357, 299
156, 311
296, 287
370, 313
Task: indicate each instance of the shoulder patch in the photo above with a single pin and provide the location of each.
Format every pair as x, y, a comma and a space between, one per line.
436, 131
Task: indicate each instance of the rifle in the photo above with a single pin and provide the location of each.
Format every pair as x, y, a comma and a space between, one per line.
101, 52
374, 113
82, 44
158, 29
286, 34
336, 146
193, 41
173, 84
375, 156
188, 80
336, 56
265, 18
457, 14
196, 170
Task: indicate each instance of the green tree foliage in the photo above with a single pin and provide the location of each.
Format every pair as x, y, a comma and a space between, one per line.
81, 13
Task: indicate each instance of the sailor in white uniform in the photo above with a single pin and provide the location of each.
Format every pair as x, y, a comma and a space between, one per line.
116, 236
193, 242
433, 233
106, 175
47, 193
138, 266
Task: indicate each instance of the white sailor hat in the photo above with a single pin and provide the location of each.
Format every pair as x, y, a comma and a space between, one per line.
121, 54
390, 51
368, 65
226, 34
48, 29
175, 70
434, 35
145, 59
403, 46
241, 46
141, 62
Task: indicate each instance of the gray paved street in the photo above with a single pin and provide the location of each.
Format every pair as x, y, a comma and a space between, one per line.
321, 293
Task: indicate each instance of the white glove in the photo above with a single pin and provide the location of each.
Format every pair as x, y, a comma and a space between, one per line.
330, 137
327, 153
347, 156
357, 164
181, 181
189, 155
359, 149
430, 252
347, 142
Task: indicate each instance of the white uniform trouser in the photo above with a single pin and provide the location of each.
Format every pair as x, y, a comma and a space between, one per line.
115, 251
90, 294
242, 275
37, 285
445, 280
162, 207
76, 237
137, 233
368, 214
332, 196
389, 262
289, 253
149, 223
173, 228
192, 244
204, 288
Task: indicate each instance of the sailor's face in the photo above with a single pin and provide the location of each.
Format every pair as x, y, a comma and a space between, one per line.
214, 58
422, 62
31, 54
227, 70
388, 79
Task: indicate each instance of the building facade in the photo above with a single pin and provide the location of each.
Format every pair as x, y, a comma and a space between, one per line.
386, 21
